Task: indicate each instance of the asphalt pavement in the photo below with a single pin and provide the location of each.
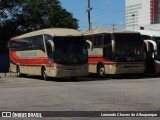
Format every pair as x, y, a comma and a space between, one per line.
86, 94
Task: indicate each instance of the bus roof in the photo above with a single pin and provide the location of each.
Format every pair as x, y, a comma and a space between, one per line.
149, 32
53, 32
107, 31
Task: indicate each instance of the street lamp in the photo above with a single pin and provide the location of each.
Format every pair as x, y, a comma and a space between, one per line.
113, 26
133, 15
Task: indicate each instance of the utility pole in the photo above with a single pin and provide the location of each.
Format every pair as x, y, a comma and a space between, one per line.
89, 15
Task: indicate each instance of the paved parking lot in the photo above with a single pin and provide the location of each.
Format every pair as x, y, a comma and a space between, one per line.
87, 94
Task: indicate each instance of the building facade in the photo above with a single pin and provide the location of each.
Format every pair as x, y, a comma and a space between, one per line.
142, 13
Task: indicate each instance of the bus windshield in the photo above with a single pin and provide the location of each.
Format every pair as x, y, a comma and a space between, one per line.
70, 50
128, 47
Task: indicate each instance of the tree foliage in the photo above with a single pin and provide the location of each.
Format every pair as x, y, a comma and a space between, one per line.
21, 16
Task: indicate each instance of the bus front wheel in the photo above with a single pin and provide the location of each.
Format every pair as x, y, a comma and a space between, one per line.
19, 74
44, 74
18, 71
101, 70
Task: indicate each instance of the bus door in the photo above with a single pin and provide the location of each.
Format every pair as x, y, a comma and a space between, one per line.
150, 51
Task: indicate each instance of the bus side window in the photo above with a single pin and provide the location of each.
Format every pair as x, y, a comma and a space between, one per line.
107, 39
12, 45
107, 51
39, 43
16, 45
98, 40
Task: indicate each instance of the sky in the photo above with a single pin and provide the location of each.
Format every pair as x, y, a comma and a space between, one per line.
105, 13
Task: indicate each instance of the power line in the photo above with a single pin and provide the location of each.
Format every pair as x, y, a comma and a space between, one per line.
108, 10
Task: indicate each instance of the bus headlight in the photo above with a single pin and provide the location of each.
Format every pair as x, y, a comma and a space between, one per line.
57, 67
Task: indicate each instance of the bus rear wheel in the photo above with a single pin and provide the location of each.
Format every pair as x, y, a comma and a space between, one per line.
44, 74
101, 70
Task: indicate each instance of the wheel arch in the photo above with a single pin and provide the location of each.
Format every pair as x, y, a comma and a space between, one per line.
43, 67
99, 63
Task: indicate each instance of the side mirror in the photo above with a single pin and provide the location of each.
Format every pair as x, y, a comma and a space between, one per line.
147, 45
155, 54
90, 44
152, 42
52, 45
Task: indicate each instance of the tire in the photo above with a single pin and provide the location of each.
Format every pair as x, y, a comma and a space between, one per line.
101, 71
44, 74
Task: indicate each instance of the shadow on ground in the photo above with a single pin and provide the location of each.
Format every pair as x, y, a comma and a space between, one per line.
93, 78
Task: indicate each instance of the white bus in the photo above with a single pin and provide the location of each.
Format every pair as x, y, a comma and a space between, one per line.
152, 51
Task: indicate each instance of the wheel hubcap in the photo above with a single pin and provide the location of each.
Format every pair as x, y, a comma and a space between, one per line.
102, 71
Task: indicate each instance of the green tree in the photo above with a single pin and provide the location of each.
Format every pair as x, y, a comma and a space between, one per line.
21, 16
